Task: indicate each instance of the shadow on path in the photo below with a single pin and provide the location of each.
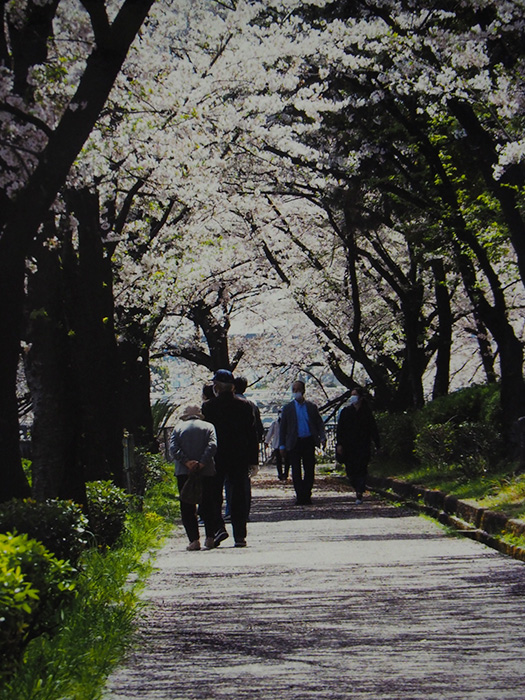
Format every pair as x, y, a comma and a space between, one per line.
332, 602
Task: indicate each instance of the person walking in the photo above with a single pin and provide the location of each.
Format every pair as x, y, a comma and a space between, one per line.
273, 442
237, 451
302, 430
240, 385
355, 432
193, 444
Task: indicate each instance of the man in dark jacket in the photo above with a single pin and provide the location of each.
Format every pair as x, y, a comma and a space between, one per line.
237, 450
356, 430
301, 431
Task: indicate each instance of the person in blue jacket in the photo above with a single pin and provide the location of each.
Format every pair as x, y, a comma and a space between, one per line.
301, 431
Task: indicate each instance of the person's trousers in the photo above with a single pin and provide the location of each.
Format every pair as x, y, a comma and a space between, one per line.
188, 511
228, 496
357, 473
283, 466
302, 463
238, 490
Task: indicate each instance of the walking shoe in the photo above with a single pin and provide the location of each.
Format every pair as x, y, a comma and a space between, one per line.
209, 543
220, 536
358, 500
194, 546
240, 543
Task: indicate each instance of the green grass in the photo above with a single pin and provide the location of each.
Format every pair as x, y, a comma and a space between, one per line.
74, 663
499, 490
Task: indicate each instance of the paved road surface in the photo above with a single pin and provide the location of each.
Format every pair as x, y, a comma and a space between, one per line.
331, 601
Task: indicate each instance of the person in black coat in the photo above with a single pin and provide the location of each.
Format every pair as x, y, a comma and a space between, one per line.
237, 451
356, 430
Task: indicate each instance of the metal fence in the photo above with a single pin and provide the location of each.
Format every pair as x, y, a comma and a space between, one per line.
265, 452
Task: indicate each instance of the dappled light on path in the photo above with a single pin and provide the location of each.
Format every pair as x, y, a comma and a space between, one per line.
330, 601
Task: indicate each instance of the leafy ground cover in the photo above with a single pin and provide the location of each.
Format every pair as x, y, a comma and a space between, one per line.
95, 629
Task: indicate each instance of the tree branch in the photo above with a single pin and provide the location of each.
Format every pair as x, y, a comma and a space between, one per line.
96, 10
28, 118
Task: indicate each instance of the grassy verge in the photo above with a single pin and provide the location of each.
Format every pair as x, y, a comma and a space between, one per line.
500, 490
74, 663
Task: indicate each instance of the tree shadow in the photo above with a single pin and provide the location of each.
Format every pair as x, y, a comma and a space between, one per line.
270, 504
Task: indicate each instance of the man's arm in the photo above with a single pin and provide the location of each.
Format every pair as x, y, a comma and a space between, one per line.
318, 423
283, 428
211, 446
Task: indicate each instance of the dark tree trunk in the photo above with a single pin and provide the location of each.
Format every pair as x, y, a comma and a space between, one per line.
404, 393
512, 384
13, 482
136, 384
21, 222
56, 431
484, 151
493, 315
411, 304
215, 332
444, 340
96, 359
485, 349
510, 349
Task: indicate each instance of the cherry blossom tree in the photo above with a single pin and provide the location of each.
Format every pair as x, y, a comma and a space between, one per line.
383, 97
50, 101
188, 157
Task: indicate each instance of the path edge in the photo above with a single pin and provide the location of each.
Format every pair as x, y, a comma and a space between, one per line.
477, 523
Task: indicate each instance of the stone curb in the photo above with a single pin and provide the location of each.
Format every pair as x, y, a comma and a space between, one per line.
478, 523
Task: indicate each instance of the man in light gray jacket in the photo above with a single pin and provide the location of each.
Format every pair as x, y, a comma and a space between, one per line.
193, 445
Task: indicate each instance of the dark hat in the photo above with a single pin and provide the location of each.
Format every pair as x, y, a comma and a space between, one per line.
224, 376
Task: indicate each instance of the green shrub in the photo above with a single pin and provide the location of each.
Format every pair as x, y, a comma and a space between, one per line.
28, 470
434, 444
108, 506
34, 587
472, 447
162, 495
59, 525
152, 466
474, 404
74, 661
397, 434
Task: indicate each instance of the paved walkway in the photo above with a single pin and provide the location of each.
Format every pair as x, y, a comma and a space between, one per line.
331, 601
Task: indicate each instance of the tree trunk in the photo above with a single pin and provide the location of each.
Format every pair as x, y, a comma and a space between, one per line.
485, 350
136, 403
411, 304
96, 358
56, 431
215, 332
13, 482
494, 316
484, 151
442, 376
21, 223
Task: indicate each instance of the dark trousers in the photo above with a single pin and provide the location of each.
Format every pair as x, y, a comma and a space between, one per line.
188, 511
302, 462
283, 465
238, 490
228, 496
357, 473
